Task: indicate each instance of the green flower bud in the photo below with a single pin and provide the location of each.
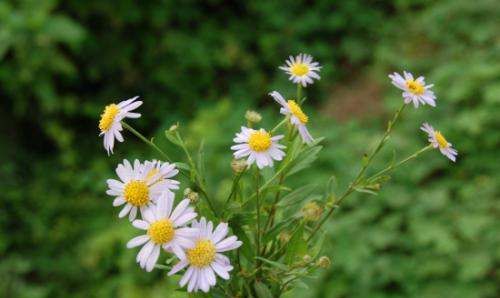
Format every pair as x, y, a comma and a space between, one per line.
253, 117
191, 195
238, 165
307, 259
324, 262
284, 237
312, 211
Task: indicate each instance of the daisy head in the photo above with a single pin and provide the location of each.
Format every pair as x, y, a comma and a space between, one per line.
110, 125
302, 69
158, 171
297, 117
205, 259
164, 229
414, 90
438, 141
134, 189
259, 146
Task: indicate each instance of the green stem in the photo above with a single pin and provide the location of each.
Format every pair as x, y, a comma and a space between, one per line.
299, 94
257, 202
143, 138
234, 187
401, 162
278, 125
361, 172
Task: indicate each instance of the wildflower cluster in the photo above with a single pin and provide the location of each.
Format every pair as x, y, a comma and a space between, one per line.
276, 241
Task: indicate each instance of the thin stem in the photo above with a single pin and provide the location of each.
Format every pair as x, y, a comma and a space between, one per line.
143, 138
299, 93
270, 219
257, 201
401, 162
234, 187
361, 172
279, 125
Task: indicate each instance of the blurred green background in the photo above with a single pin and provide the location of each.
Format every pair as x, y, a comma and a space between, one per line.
434, 231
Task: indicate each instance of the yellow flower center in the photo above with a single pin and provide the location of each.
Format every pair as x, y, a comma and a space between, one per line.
297, 111
415, 87
299, 69
108, 116
202, 254
136, 192
260, 141
441, 140
161, 231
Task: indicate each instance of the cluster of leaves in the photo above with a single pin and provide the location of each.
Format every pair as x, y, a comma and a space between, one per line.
432, 233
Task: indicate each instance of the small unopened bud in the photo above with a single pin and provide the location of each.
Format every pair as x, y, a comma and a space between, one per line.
307, 259
324, 262
253, 117
238, 165
284, 237
312, 211
375, 186
191, 195
174, 127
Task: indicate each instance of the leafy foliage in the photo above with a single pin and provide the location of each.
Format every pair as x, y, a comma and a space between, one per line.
434, 232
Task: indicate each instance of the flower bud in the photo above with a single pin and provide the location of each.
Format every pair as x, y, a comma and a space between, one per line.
191, 195
174, 127
312, 211
284, 237
253, 117
324, 262
307, 259
238, 165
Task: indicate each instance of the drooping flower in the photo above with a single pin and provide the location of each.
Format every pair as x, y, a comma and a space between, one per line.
259, 146
205, 260
438, 141
297, 117
110, 125
164, 229
414, 90
137, 189
302, 69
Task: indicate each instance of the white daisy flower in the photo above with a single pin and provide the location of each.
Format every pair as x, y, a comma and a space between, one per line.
297, 117
414, 90
110, 124
205, 258
161, 171
135, 189
259, 146
302, 69
165, 229
438, 141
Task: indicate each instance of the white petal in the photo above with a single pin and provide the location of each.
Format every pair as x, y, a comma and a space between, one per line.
153, 257
137, 241
178, 267
140, 224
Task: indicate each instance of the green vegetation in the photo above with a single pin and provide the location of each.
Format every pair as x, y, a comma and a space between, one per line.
432, 233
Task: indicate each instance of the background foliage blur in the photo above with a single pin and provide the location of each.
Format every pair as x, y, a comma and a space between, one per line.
433, 232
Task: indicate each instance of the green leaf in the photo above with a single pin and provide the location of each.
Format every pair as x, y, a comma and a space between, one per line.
295, 196
274, 264
297, 246
173, 138
262, 290
304, 160
182, 166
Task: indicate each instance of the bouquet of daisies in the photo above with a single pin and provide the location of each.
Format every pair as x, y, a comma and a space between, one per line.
250, 243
